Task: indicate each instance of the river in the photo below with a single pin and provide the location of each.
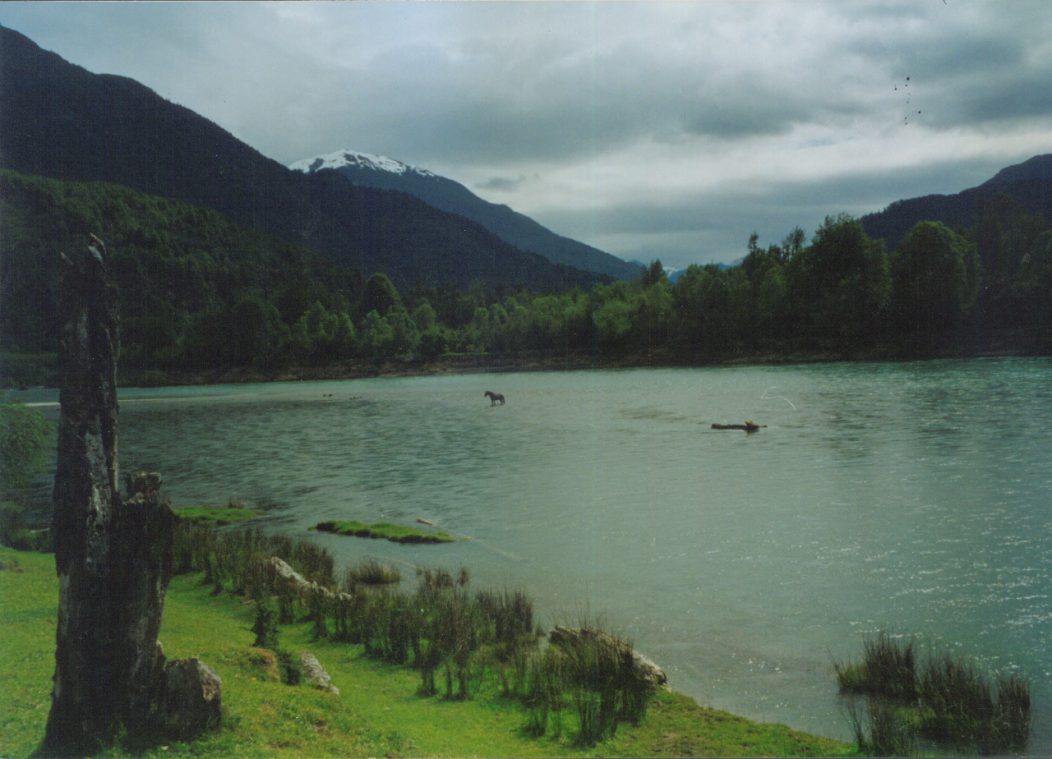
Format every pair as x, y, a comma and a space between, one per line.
909, 497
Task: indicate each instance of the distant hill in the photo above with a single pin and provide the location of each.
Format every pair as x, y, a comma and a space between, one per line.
366, 170
1028, 183
59, 120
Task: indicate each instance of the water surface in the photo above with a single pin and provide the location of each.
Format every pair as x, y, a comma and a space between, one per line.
911, 497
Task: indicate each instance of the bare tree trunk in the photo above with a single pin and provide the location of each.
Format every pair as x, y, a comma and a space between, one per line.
113, 555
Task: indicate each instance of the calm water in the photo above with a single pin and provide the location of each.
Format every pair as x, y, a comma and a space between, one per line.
912, 497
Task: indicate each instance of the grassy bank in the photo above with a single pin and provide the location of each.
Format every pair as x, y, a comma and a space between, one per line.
377, 712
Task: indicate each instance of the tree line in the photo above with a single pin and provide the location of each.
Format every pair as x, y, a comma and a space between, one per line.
197, 292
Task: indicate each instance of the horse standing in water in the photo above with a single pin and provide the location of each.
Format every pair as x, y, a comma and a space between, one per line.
494, 398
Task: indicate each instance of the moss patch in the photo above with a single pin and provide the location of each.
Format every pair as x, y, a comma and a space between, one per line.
393, 532
214, 516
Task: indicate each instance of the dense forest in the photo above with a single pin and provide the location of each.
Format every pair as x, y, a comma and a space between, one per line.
199, 294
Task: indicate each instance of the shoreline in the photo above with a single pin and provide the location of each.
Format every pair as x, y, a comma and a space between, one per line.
375, 699
963, 344
989, 345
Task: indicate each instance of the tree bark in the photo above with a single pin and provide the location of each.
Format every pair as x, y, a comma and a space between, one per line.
113, 554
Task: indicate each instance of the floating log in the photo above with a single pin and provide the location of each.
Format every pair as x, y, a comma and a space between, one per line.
747, 426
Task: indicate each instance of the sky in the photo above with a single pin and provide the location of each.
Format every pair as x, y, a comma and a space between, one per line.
649, 130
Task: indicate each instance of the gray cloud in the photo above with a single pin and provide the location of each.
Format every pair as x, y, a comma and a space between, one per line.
675, 128
502, 184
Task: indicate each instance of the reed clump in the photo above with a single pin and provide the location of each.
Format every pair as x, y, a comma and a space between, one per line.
372, 572
593, 672
453, 636
882, 729
888, 668
948, 701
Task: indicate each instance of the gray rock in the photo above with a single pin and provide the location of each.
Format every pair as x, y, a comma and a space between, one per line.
315, 674
192, 701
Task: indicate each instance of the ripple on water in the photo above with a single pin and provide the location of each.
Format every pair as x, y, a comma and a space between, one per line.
884, 496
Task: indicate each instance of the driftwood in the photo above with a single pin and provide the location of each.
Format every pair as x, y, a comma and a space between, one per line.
748, 426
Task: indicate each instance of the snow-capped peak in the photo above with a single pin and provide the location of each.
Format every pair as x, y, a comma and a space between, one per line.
342, 158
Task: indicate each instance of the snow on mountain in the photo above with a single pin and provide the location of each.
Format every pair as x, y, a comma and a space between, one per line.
354, 159
383, 173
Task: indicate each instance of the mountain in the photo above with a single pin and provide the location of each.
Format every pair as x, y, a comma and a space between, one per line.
61, 121
366, 170
1029, 184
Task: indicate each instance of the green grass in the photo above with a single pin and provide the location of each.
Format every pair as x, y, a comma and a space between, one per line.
215, 516
377, 713
393, 532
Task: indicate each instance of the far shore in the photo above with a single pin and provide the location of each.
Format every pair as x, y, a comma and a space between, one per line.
964, 344
1000, 344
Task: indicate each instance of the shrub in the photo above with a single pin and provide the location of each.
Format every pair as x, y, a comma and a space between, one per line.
265, 625
291, 674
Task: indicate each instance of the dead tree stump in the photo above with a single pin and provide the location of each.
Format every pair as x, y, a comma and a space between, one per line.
113, 553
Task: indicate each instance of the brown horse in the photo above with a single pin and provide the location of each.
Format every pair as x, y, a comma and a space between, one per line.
494, 398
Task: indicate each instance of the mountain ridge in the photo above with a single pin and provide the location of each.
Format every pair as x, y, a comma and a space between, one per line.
1029, 184
382, 172
59, 120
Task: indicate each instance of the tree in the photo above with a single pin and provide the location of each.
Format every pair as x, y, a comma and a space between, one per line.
653, 273
255, 332
378, 337
935, 278
614, 320
424, 316
839, 286
1034, 283
379, 295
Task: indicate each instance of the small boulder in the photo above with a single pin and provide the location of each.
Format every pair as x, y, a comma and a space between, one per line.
315, 674
191, 698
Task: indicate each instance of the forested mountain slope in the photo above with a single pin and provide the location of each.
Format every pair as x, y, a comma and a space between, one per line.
59, 120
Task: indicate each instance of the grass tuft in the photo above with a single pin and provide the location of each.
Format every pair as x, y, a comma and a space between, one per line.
372, 572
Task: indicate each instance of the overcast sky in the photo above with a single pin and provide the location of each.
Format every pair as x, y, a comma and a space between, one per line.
649, 130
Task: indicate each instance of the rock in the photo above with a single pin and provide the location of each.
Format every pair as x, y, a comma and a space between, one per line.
315, 674
278, 572
191, 700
